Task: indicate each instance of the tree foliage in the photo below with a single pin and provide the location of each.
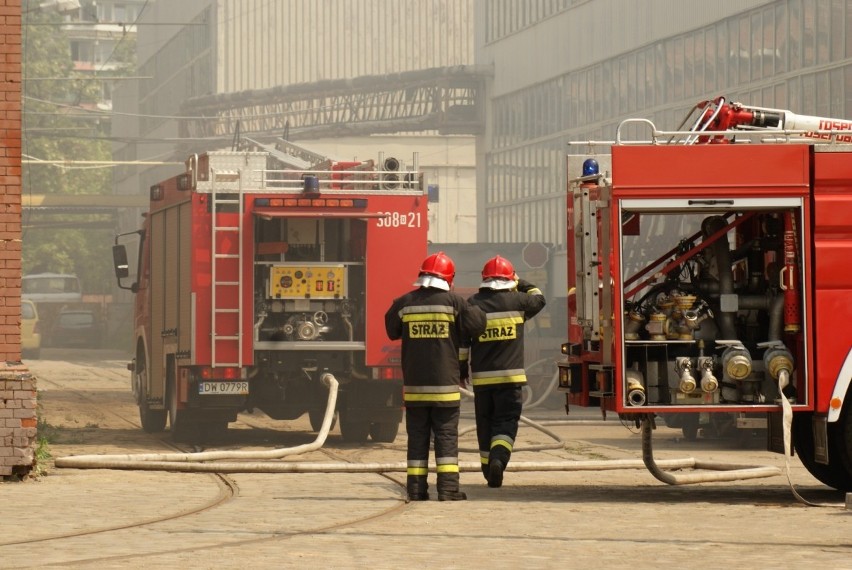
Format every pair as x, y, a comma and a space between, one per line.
57, 125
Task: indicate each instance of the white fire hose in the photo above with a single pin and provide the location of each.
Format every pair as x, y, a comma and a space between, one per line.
787, 423
139, 460
201, 462
713, 471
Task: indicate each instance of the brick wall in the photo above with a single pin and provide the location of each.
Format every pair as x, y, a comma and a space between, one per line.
17, 387
17, 419
10, 180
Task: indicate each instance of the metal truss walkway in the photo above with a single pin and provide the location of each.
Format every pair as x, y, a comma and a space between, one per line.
445, 99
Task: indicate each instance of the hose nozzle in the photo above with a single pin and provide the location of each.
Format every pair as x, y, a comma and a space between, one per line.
776, 359
684, 367
709, 383
736, 362
635, 389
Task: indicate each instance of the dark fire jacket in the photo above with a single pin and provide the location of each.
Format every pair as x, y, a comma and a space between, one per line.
432, 324
497, 355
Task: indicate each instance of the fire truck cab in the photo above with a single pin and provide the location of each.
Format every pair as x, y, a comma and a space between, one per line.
708, 273
254, 279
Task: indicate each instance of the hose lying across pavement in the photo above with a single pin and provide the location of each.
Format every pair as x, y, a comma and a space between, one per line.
138, 460
200, 462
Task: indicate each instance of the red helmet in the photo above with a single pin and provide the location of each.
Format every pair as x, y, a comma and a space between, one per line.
439, 265
498, 268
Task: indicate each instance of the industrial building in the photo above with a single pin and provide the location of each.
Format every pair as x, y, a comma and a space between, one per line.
571, 70
196, 50
560, 73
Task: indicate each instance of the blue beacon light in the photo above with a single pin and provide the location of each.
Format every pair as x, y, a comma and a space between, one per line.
590, 167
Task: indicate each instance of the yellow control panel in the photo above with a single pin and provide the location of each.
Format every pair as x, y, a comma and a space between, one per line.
307, 282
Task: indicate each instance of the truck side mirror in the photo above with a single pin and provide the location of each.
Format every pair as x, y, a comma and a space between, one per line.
119, 261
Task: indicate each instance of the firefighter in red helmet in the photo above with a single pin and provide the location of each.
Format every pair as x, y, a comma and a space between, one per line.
497, 362
433, 322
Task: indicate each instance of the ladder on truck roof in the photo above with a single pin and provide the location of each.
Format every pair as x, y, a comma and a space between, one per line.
221, 286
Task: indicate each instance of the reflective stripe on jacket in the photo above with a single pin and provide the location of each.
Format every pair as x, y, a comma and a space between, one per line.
497, 355
433, 324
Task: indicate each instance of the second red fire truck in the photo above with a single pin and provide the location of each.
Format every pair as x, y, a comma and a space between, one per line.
256, 276
709, 273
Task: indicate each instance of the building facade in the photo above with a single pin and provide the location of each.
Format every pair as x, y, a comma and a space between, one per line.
569, 71
229, 46
101, 36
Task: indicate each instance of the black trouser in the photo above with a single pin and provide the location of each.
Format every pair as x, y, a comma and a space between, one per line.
420, 423
497, 413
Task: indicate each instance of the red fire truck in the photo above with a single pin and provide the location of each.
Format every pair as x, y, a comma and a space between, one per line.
258, 272
708, 274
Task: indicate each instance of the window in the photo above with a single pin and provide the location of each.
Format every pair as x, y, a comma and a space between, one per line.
27, 311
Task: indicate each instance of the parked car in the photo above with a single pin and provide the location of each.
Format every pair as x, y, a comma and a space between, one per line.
30, 335
77, 328
51, 287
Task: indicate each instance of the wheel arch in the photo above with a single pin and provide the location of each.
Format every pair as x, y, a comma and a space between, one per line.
841, 389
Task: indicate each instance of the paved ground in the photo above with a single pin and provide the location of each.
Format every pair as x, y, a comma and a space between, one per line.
619, 519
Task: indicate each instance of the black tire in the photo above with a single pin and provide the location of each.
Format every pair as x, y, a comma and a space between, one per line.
690, 433
182, 428
354, 430
153, 421
834, 475
316, 416
384, 432
840, 444
689, 427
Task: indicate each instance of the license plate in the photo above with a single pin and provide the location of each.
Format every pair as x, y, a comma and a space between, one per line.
222, 387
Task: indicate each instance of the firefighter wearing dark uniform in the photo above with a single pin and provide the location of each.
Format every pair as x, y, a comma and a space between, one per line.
497, 362
432, 322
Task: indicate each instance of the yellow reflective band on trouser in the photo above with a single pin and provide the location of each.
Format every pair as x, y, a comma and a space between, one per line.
453, 397
447, 464
483, 457
492, 380
503, 442
417, 467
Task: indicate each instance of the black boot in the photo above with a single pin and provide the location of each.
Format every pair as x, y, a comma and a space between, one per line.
495, 473
452, 496
417, 488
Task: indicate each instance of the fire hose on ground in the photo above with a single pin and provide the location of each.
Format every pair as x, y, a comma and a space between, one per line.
143, 460
203, 462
